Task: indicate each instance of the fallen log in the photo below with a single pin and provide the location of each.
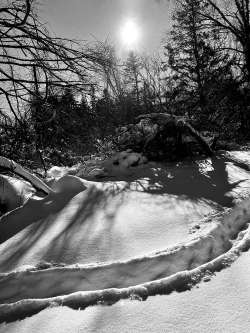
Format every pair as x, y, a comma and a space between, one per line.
199, 139
11, 166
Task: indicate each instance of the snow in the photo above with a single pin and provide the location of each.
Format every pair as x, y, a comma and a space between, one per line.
36, 208
57, 172
130, 239
218, 306
121, 163
14, 192
178, 268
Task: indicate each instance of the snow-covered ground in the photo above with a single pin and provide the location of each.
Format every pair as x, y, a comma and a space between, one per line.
219, 306
143, 231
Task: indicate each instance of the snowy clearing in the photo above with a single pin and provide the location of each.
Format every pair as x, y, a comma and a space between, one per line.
80, 220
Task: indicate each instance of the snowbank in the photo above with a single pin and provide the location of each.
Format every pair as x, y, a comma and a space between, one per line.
14, 192
24, 208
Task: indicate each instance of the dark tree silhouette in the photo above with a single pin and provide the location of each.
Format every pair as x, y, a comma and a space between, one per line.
232, 17
31, 61
192, 49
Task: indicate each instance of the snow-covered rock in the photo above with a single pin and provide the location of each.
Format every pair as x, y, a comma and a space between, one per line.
97, 167
127, 159
57, 172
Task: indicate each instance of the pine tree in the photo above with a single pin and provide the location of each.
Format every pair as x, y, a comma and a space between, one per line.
192, 50
132, 75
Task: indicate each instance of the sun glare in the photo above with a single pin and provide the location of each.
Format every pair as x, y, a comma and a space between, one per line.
130, 34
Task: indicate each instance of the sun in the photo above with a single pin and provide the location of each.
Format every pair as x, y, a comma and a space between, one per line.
130, 34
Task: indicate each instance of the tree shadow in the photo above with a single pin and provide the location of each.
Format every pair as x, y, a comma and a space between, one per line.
45, 215
23, 227
78, 231
192, 179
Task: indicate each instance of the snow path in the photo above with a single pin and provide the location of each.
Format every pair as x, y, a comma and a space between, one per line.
177, 268
220, 306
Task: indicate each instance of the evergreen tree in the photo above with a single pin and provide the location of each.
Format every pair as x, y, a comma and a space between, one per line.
192, 51
132, 76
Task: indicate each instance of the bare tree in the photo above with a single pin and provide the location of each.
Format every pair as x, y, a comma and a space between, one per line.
132, 68
108, 68
31, 61
153, 77
233, 18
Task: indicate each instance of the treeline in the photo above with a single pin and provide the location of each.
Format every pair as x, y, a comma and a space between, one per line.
63, 97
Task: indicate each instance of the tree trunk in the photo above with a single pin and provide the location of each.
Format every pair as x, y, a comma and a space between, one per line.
200, 139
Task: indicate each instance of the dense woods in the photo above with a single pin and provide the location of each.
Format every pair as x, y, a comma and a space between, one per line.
63, 98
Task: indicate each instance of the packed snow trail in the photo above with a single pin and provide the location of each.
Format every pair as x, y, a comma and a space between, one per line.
110, 274
220, 305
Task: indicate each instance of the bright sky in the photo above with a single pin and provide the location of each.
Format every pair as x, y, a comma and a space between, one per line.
130, 24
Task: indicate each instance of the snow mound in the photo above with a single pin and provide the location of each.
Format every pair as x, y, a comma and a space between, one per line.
25, 206
119, 164
13, 193
57, 172
127, 159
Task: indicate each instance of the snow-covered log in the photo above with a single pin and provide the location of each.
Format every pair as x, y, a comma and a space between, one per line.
11, 166
199, 138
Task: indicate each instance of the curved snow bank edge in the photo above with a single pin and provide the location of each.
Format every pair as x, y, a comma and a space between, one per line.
180, 281
16, 286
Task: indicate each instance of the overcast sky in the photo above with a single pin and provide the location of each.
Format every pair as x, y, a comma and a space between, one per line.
101, 19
